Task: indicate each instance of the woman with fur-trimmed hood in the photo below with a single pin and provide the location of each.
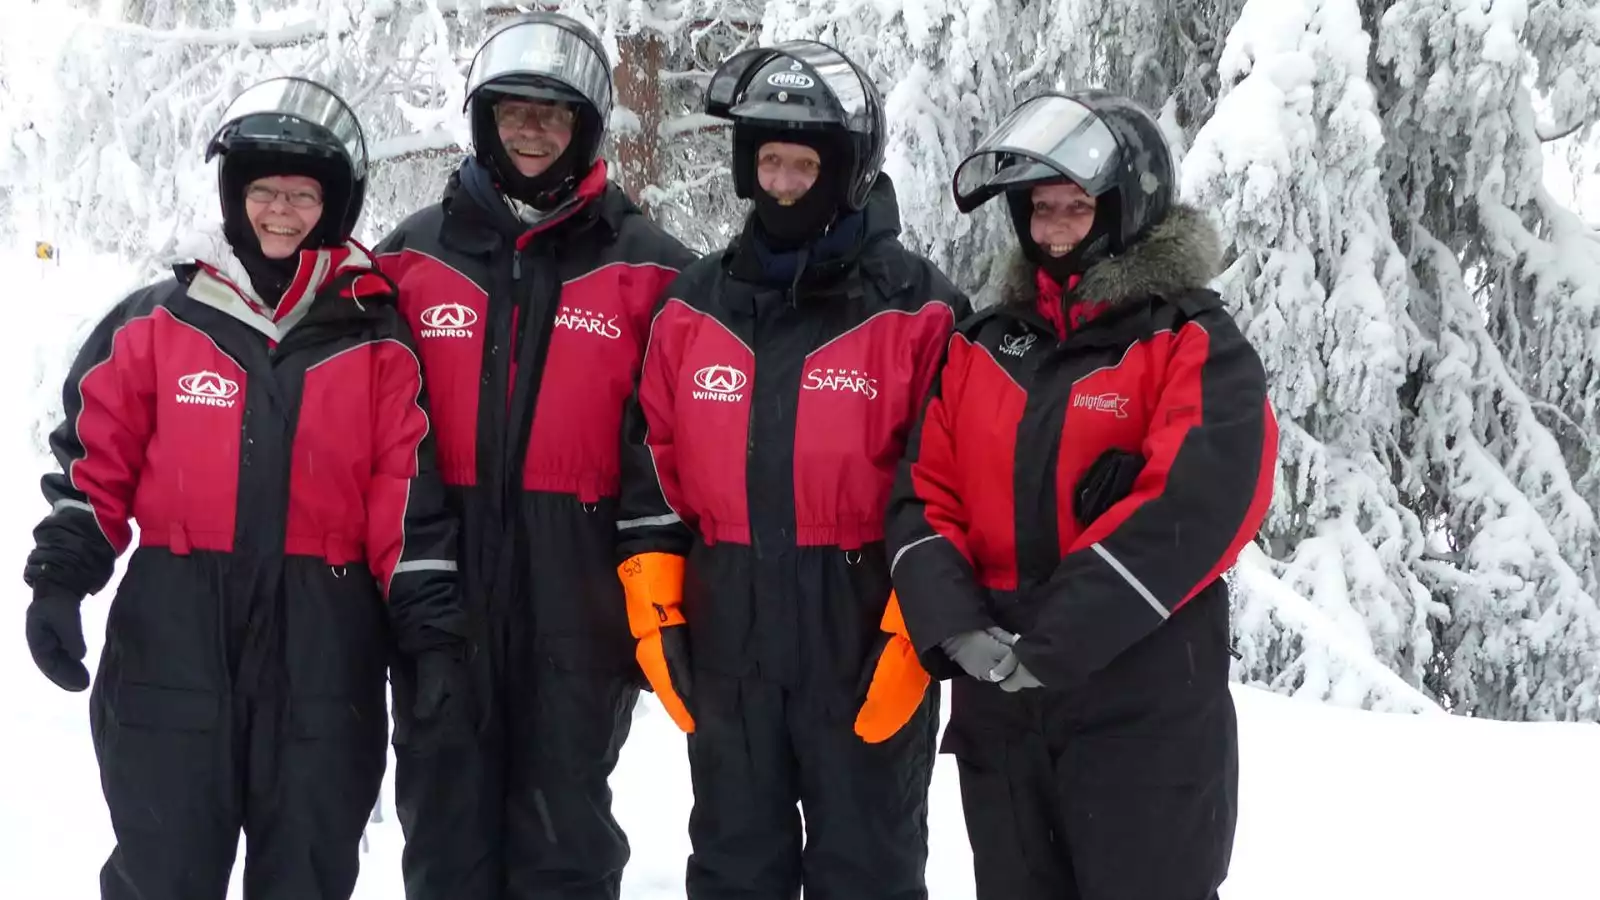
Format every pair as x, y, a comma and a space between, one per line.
1096, 452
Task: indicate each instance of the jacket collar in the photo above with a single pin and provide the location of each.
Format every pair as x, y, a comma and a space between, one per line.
223, 286
479, 221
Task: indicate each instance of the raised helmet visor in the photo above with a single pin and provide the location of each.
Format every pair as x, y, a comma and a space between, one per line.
1048, 138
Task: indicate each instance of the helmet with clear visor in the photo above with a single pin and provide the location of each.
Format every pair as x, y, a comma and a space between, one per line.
542, 56
293, 126
802, 86
1104, 143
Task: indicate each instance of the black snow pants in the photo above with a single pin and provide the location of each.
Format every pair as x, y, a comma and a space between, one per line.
759, 750
236, 694
1123, 787
521, 811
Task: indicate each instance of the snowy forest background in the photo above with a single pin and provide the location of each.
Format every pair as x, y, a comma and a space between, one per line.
1428, 310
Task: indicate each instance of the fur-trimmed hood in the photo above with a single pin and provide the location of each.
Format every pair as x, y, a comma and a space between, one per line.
1183, 253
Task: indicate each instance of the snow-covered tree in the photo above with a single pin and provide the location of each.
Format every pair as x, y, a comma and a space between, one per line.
1428, 316
1289, 165
1506, 396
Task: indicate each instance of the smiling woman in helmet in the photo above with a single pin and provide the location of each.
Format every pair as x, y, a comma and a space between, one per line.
781, 379
1096, 451
261, 417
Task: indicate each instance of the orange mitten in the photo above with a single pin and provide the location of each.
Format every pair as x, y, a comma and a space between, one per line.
899, 683
653, 586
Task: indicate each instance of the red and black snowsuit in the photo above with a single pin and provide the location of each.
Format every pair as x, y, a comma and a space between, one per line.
531, 337
1085, 470
291, 531
772, 410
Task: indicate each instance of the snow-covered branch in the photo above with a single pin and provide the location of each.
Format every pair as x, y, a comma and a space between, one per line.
678, 125
283, 36
437, 140
1256, 578
653, 195
1549, 134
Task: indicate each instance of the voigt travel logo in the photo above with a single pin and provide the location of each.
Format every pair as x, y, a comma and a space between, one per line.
447, 320
1109, 402
207, 388
720, 383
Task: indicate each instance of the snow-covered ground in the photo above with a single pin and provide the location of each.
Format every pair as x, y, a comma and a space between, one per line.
1336, 803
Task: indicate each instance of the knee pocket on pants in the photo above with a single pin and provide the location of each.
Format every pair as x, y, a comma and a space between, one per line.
1010, 822
156, 708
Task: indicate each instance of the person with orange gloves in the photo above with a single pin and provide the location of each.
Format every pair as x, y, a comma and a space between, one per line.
1097, 450
780, 381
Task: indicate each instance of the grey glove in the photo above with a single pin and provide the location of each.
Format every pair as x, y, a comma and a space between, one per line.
985, 655
1020, 679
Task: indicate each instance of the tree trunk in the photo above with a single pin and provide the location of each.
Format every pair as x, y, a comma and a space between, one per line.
639, 91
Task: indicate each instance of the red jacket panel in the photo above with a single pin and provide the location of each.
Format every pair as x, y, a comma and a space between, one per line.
224, 427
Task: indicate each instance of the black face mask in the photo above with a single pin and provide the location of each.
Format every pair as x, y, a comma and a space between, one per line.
789, 227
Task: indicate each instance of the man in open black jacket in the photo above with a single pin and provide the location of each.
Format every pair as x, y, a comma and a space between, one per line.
530, 288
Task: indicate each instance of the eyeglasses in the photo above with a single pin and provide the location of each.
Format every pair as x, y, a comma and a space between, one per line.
521, 115
300, 199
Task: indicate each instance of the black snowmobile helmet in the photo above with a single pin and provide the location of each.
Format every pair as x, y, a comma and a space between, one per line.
292, 126
1105, 143
541, 56
805, 87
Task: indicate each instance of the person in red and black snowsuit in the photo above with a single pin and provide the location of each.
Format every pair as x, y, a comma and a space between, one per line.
1096, 452
779, 384
262, 418
530, 288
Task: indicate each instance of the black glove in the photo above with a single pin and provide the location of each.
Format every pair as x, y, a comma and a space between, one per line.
55, 638
675, 649
1108, 480
443, 706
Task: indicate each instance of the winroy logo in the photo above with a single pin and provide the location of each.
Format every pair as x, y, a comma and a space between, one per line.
447, 320
207, 388
721, 383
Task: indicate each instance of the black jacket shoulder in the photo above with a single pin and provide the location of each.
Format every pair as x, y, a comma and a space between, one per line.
637, 238
426, 221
